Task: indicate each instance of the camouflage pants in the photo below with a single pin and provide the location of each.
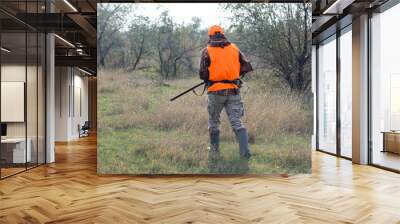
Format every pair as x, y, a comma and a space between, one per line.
233, 106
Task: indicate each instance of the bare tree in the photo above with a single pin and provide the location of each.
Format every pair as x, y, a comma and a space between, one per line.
173, 44
110, 21
163, 46
138, 42
279, 35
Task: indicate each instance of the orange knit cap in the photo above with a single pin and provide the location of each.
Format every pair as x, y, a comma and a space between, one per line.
215, 29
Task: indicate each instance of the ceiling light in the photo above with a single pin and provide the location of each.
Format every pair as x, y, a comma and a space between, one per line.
5, 50
70, 5
65, 41
338, 6
84, 71
79, 51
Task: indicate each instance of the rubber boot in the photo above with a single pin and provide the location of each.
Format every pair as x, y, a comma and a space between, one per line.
214, 157
243, 139
214, 141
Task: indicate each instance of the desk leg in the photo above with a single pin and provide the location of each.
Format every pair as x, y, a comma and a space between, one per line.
384, 142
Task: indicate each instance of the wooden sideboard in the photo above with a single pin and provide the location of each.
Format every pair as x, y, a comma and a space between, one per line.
391, 141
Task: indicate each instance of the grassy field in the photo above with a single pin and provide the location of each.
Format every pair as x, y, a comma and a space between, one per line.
142, 132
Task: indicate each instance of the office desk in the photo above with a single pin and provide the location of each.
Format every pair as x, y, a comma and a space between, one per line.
13, 150
391, 141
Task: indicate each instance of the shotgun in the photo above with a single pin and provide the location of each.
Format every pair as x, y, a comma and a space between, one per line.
188, 90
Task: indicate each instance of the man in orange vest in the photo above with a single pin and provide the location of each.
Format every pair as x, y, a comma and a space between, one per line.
222, 65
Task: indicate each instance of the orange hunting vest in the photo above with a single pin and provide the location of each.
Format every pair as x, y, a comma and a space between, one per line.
224, 65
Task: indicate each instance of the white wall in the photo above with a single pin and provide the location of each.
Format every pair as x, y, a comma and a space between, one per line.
79, 117
70, 83
13, 72
62, 82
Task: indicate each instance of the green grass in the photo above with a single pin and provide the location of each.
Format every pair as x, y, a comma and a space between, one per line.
141, 132
132, 151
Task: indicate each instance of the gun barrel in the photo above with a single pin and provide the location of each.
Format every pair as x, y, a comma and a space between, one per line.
186, 91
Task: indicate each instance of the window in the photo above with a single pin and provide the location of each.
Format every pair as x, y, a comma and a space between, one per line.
385, 89
346, 92
327, 95
22, 77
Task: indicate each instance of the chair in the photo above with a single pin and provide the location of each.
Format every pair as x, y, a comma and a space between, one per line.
84, 130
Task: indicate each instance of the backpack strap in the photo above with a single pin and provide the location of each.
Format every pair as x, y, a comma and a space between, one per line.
204, 90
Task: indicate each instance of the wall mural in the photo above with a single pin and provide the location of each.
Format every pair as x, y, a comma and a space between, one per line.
251, 111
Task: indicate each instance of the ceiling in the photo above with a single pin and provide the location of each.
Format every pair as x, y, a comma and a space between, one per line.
330, 15
74, 22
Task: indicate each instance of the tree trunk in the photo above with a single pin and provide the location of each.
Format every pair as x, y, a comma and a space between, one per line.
175, 68
300, 77
139, 55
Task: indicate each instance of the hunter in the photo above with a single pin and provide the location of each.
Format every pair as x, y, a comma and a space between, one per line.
221, 66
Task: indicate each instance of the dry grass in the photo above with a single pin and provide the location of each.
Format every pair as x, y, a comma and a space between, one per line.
173, 135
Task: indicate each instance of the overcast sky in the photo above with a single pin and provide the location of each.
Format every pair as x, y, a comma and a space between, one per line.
209, 13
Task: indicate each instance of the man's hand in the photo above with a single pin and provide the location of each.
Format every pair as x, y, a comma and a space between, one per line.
245, 66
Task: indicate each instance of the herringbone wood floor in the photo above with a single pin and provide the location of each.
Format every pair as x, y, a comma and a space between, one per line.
69, 191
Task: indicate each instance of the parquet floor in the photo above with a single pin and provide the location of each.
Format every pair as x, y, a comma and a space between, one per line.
69, 191
10, 171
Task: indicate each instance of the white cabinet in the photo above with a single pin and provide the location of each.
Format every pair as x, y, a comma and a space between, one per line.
18, 149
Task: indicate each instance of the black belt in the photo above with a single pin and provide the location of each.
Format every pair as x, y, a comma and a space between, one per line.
226, 92
237, 82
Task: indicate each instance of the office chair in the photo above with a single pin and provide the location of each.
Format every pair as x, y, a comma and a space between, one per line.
84, 130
